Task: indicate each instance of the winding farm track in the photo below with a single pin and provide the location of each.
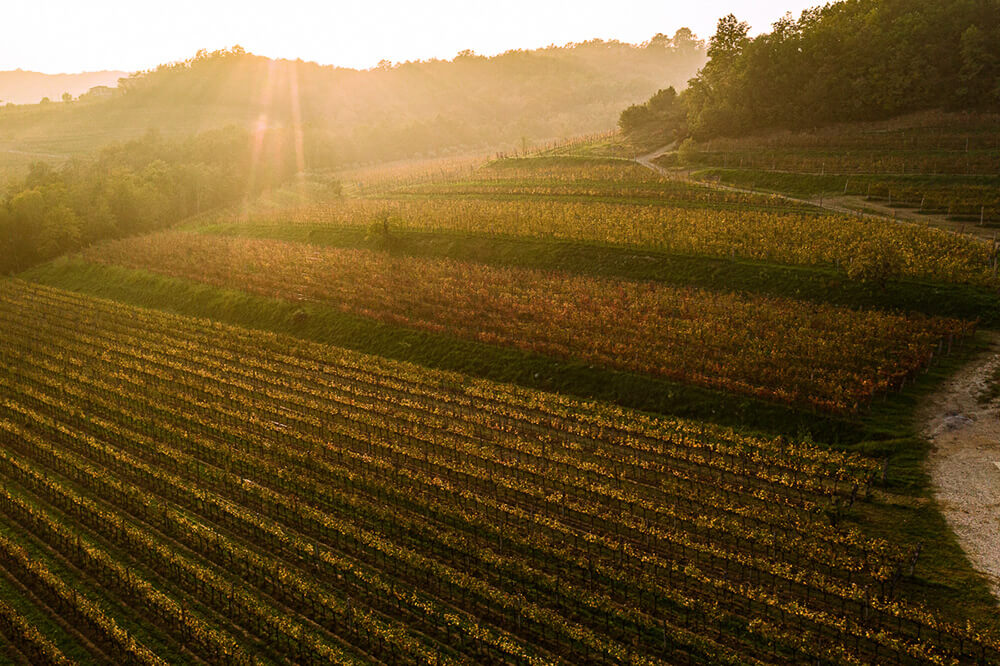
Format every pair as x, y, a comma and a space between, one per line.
647, 161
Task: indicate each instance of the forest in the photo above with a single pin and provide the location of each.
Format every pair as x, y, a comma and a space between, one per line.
134, 187
858, 60
152, 154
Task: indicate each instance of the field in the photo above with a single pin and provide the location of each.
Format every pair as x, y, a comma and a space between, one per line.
934, 163
831, 358
795, 238
582, 179
546, 410
932, 143
241, 468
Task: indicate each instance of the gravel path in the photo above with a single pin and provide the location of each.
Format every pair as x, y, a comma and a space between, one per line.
965, 462
680, 174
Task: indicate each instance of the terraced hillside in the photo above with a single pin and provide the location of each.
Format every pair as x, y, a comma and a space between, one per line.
554, 410
933, 167
238, 495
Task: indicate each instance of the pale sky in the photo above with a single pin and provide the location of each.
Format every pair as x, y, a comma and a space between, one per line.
57, 36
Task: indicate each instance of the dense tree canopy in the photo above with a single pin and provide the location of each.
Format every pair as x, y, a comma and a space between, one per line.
134, 187
847, 61
658, 121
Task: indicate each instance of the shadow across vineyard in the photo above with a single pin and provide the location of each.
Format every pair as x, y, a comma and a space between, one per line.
900, 509
324, 324
816, 284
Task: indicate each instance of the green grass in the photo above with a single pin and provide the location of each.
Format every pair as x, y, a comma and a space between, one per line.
943, 578
905, 510
816, 284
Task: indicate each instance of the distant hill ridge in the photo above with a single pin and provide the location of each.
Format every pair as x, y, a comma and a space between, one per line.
388, 112
23, 87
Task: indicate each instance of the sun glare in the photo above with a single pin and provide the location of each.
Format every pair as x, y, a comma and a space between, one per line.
611, 333
122, 35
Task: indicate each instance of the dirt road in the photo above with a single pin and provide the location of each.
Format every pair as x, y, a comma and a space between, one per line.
965, 462
680, 174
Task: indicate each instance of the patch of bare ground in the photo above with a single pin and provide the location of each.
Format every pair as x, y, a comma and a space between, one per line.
964, 463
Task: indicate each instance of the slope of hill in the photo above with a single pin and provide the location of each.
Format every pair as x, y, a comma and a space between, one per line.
23, 87
471, 102
935, 168
337, 441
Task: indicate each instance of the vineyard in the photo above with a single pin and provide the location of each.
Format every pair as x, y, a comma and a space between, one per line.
176, 489
676, 353
239, 497
971, 202
922, 144
564, 177
831, 358
798, 238
873, 161
935, 164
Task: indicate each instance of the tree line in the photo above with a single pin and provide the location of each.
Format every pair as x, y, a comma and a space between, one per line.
135, 187
854, 60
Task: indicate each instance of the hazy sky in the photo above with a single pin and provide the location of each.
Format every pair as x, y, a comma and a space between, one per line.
71, 36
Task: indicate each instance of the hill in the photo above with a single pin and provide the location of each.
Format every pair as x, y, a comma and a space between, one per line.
392, 111
936, 168
325, 431
265, 399
22, 87
858, 60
